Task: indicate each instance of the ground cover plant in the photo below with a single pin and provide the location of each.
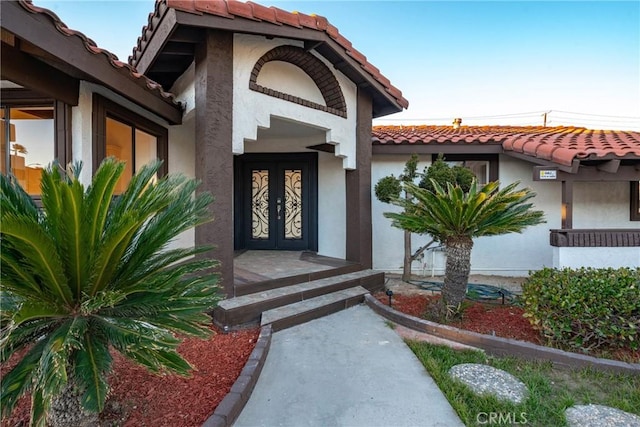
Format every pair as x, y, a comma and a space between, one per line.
585, 308
90, 273
551, 389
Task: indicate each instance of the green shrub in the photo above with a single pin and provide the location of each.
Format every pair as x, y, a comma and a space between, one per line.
585, 308
388, 188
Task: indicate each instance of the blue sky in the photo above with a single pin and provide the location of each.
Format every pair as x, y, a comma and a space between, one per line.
499, 62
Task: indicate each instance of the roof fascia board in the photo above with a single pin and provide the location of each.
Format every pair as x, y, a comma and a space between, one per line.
437, 149
36, 29
592, 174
160, 36
269, 29
569, 169
33, 74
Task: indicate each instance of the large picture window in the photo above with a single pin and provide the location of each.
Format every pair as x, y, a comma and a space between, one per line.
127, 136
635, 201
27, 143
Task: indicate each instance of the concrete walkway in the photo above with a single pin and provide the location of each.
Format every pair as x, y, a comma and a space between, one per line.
346, 369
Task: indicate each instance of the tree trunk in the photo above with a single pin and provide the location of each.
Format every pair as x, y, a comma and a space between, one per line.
406, 267
66, 409
456, 275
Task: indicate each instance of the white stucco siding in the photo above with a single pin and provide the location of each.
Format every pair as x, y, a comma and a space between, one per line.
601, 205
253, 110
507, 255
184, 90
388, 241
297, 82
81, 132
332, 206
596, 257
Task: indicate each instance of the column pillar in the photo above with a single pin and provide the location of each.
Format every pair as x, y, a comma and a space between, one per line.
214, 156
358, 188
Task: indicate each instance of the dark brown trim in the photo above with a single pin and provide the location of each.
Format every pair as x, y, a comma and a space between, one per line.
437, 148
36, 75
358, 189
595, 238
103, 108
62, 129
39, 30
214, 146
161, 33
567, 205
383, 102
321, 75
493, 159
634, 202
573, 169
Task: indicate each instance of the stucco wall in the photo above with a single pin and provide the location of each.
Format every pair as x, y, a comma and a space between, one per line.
507, 255
253, 110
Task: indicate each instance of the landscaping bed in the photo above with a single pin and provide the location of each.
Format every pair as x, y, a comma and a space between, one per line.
139, 398
504, 321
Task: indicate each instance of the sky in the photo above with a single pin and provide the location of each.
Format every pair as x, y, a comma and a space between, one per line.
489, 63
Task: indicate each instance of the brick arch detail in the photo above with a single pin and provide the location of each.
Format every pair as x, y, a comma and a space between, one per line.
314, 68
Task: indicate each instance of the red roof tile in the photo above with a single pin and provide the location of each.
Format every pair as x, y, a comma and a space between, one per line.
557, 144
274, 15
109, 57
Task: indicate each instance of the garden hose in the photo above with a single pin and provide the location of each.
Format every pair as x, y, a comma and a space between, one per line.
475, 291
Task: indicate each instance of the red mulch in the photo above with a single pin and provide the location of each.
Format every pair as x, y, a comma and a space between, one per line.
139, 398
492, 319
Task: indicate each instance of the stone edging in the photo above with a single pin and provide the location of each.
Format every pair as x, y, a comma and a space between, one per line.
233, 403
498, 346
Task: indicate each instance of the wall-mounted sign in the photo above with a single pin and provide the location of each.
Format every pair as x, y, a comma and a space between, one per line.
548, 174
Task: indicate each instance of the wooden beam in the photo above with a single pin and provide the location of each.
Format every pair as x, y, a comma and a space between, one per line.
40, 31
567, 205
610, 166
311, 45
152, 47
38, 76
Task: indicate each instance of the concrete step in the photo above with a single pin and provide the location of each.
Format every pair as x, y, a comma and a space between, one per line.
247, 309
303, 311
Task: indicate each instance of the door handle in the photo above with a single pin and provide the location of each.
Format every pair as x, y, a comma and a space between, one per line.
278, 206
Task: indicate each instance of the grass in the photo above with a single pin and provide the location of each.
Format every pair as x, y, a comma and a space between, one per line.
551, 389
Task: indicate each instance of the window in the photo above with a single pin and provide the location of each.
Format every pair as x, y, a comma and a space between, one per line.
127, 136
484, 166
27, 143
635, 201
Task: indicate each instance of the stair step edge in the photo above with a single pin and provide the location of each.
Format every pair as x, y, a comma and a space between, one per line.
232, 303
311, 304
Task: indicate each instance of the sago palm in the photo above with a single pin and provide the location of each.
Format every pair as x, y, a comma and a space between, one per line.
90, 272
455, 217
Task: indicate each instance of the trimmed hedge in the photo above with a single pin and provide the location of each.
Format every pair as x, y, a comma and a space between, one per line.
585, 308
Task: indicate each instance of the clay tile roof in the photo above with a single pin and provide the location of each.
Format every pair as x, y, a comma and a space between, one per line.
110, 58
560, 145
236, 9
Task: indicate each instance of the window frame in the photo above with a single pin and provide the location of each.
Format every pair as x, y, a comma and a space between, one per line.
103, 108
635, 201
493, 159
62, 146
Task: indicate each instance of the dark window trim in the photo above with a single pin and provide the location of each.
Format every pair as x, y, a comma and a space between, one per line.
635, 204
62, 146
103, 108
493, 159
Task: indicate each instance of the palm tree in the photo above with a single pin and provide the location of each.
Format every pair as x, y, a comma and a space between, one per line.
90, 272
455, 217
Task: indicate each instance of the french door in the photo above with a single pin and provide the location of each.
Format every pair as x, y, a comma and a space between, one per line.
278, 202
